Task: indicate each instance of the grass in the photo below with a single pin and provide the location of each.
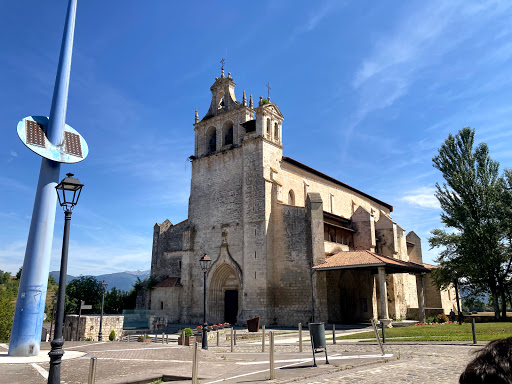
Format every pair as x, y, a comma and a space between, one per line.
442, 332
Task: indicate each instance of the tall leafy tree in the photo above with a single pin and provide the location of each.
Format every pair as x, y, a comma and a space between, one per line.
472, 199
86, 288
8, 292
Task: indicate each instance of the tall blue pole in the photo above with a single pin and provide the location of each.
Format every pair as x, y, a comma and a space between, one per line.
28, 317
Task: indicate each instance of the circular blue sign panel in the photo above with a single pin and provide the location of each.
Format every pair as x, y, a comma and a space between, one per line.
32, 132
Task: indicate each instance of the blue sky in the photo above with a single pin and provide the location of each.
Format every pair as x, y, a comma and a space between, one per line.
369, 91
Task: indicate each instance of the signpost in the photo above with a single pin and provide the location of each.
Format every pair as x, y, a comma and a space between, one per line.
82, 306
56, 143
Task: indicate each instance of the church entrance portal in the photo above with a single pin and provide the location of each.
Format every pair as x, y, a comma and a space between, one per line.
230, 306
223, 295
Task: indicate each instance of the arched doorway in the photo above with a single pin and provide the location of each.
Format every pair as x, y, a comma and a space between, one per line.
224, 295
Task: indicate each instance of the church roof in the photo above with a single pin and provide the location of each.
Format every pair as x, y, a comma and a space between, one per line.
333, 180
367, 259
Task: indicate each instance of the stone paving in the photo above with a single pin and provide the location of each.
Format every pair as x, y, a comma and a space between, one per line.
122, 362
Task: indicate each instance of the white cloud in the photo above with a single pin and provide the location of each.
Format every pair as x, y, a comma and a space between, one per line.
14, 154
315, 17
419, 43
422, 197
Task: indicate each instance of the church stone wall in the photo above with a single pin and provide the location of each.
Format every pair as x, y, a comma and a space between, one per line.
165, 303
291, 262
345, 201
217, 193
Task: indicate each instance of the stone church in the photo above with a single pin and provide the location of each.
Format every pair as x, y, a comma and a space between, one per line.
287, 242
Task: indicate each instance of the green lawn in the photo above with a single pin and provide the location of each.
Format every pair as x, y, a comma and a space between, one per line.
443, 332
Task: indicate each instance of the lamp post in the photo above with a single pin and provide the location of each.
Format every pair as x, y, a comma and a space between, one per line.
68, 192
205, 265
100, 335
53, 316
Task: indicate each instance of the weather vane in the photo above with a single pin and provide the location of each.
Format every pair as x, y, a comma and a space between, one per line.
268, 89
222, 62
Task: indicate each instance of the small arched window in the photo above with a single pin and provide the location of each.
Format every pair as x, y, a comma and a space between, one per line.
276, 132
268, 128
291, 197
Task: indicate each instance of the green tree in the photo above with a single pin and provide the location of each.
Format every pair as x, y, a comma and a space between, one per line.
472, 199
4, 277
86, 288
115, 301
8, 293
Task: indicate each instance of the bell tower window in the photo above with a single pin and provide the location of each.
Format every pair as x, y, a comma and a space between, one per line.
211, 138
227, 131
276, 132
268, 128
220, 101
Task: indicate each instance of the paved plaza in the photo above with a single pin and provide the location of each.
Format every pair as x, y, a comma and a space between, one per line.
350, 362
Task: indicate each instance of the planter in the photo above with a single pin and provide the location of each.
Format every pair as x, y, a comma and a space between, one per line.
148, 340
253, 325
188, 340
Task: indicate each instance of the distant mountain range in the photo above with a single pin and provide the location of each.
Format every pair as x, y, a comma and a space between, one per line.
121, 280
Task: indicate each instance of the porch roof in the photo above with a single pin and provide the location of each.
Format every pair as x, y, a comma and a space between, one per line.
368, 260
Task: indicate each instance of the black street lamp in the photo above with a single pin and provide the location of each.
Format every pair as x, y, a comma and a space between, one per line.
100, 335
68, 192
205, 265
54, 300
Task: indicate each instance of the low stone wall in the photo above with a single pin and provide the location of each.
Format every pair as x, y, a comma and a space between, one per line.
429, 312
89, 327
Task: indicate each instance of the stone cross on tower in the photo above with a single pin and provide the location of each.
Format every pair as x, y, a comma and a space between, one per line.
268, 90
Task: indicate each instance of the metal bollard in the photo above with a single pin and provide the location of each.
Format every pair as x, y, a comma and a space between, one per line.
183, 337
272, 373
374, 326
92, 371
473, 329
263, 339
300, 337
163, 337
194, 364
383, 326
217, 338
231, 339
235, 336
166, 339
334, 333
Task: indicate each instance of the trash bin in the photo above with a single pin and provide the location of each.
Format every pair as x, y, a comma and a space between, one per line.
253, 325
318, 344
317, 332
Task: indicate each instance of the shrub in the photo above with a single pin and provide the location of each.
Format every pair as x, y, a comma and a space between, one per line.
431, 319
140, 338
188, 332
442, 318
112, 335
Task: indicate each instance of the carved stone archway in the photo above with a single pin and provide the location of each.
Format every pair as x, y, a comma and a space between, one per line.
224, 278
225, 275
